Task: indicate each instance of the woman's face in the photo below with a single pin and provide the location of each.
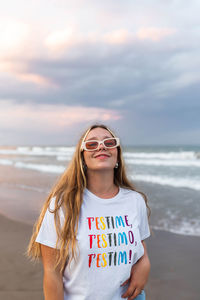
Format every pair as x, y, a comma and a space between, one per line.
102, 158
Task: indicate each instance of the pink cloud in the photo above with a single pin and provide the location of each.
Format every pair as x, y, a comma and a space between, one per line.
120, 36
13, 35
153, 33
45, 118
35, 79
16, 44
18, 71
57, 42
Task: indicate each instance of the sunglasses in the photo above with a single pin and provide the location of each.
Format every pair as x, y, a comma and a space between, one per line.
92, 145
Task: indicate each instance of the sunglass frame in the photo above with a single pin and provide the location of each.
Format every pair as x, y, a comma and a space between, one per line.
83, 145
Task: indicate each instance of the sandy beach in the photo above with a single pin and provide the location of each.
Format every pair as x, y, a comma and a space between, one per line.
19, 279
175, 259
175, 265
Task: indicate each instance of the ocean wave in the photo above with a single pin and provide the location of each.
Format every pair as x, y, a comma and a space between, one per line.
39, 151
156, 162
191, 183
6, 162
183, 227
62, 158
31, 188
40, 167
182, 155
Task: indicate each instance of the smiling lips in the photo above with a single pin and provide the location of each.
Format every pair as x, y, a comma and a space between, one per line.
102, 155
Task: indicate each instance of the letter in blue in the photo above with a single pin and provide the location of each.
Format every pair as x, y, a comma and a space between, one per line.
119, 221
122, 238
122, 257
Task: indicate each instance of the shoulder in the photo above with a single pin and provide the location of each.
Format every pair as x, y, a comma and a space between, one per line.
131, 193
52, 206
133, 196
52, 203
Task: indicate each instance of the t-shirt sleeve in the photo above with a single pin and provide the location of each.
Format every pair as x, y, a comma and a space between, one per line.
47, 234
143, 218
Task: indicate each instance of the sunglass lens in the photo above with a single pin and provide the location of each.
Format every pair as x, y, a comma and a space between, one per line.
110, 143
91, 145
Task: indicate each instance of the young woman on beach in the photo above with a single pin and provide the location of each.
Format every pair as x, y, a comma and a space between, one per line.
92, 227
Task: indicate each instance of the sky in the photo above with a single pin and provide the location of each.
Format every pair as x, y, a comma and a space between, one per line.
133, 65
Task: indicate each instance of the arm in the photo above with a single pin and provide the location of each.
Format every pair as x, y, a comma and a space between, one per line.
138, 277
52, 281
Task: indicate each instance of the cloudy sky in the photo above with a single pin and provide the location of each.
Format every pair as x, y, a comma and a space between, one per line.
131, 64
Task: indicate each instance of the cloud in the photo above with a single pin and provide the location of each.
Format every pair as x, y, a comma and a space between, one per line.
113, 71
154, 34
35, 78
45, 118
19, 72
13, 35
120, 36
107, 56
58, 41
123, 36
15, 45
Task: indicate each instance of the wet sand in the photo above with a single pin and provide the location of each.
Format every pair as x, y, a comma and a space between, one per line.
175, 267
19, 278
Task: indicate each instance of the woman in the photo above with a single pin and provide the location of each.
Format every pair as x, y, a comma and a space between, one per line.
91, 231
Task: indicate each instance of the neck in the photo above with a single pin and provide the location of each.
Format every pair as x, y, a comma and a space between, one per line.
102, 183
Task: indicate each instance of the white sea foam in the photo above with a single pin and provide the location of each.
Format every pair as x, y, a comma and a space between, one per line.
40, 167
189, 182
39, 151
182, 155
193, 183
184, 226
167, 159
159, 162
31, 188
6, 162
63, 158
171, 181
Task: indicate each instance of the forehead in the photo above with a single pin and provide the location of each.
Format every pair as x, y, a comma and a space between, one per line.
98, 133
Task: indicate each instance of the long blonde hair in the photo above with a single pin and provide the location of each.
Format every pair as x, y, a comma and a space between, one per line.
68, 193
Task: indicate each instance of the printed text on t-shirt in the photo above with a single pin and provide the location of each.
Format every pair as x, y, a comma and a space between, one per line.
112, 233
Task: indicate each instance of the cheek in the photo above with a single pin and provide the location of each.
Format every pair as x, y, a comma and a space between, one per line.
115, 154
86, 156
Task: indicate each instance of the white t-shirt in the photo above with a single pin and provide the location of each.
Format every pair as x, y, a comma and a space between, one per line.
109, 243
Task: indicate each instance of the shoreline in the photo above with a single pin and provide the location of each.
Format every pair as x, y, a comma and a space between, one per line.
175, 265
23, 193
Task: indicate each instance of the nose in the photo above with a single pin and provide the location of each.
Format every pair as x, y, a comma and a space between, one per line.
101, 146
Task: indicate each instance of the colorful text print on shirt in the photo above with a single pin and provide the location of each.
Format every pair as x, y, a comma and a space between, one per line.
106, 233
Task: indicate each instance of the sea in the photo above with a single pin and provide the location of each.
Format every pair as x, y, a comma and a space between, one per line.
168, 175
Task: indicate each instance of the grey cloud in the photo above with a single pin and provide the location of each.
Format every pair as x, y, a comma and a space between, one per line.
154, 83
102, 75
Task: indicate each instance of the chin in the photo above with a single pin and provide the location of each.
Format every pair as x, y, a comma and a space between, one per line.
101, 168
